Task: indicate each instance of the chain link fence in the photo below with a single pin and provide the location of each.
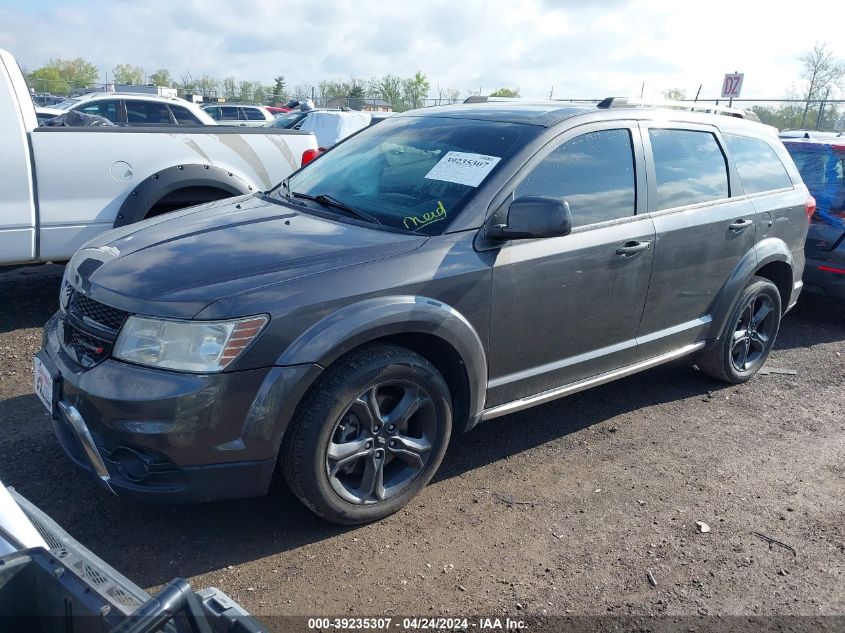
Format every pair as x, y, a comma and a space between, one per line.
827, 115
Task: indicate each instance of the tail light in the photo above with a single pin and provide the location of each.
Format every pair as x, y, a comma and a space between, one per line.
809, 207
832, 269
310, 154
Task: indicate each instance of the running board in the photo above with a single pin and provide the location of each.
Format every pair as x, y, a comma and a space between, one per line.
581, 385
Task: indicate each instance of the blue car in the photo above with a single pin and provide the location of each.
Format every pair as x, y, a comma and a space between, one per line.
820, 162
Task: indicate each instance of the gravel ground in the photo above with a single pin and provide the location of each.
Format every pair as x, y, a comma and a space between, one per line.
562, 510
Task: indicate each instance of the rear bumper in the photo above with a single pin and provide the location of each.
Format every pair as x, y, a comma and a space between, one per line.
821, 276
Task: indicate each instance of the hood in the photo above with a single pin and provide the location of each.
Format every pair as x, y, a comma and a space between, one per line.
176, 267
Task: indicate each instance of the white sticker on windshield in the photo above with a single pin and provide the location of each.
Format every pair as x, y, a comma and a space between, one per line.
463, 168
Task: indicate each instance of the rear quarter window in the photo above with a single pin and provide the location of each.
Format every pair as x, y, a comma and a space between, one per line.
254, 114
758, 164
690, 167
184, 116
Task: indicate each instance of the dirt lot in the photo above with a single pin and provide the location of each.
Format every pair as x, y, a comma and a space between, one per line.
563, 509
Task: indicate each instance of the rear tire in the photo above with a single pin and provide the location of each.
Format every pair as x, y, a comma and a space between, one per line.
369, 435
749, 335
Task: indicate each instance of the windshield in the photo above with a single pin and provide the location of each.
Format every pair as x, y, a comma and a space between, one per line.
412, 173
65, 105
287, 120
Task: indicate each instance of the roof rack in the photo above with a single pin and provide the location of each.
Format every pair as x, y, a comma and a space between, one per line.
627, 102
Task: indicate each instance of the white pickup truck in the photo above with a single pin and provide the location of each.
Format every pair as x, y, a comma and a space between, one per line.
62, 186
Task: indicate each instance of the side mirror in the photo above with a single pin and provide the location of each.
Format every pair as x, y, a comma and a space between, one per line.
534, 217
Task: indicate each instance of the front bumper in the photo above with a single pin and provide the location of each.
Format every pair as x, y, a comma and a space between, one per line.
169, 436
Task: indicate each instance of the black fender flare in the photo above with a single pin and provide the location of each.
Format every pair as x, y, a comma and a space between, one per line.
764, 252
371, 319
153, 188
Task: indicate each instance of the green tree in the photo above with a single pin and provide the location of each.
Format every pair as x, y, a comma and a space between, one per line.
78, 71
415, 89
208, 85
821, 71
230, 88
505, 92
355, 95
161, 77
279, 89
259, 93
128, 74
65, 74
388, 88
48, 80
330, 89
675, 94
246, 90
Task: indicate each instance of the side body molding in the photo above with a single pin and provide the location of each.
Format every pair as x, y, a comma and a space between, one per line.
764, 252
370, 319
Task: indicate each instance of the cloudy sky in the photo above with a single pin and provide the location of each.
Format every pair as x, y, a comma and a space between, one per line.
584, 49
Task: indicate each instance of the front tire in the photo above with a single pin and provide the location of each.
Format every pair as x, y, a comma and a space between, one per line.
748, 337
369, 435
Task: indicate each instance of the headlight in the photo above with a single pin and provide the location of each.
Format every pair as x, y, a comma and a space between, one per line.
197, 346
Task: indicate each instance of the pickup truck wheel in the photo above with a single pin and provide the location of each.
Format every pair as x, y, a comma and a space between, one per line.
371, 433
749, 336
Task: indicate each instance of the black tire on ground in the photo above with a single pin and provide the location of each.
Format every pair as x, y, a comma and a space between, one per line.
749, 335
369, 435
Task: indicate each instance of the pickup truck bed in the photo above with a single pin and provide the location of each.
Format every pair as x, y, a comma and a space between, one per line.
62, 186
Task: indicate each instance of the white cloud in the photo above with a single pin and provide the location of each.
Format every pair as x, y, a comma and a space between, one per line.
585, 50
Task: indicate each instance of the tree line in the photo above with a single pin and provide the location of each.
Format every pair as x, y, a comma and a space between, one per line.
62, 76
821, 73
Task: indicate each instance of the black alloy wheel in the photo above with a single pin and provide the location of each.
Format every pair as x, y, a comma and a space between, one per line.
369, 434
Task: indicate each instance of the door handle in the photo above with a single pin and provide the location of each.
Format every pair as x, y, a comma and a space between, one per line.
740, 225
632, 248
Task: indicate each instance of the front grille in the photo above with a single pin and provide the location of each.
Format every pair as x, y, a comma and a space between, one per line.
89, 328
86, 349
82, 306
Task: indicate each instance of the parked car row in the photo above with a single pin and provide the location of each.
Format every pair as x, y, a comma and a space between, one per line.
133, 109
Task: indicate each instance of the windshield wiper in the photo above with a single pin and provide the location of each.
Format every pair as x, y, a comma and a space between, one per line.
328, 201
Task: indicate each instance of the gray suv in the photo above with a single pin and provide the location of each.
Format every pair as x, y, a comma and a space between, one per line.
448, 266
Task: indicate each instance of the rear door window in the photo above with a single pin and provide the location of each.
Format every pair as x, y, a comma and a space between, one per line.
147, 113
690, 168
759, 167
229, 113
593, 172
